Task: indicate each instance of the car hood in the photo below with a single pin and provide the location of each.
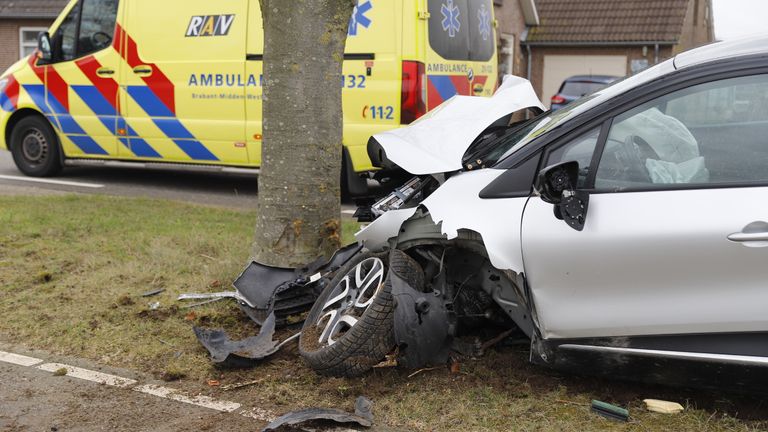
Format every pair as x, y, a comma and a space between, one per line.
436, 142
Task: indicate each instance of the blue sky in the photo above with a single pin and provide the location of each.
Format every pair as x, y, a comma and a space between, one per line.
736, 18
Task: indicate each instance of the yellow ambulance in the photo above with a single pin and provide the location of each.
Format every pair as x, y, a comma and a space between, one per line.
180, 81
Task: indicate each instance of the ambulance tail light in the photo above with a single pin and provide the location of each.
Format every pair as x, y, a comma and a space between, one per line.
413, 97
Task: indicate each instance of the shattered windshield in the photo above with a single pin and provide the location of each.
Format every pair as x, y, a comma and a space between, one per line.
498, 146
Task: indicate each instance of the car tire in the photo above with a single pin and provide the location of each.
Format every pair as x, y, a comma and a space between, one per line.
366, 342
35, 147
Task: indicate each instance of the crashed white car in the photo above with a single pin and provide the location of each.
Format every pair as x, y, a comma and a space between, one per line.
631, 225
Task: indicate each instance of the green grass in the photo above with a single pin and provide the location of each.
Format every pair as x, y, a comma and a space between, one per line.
72, 269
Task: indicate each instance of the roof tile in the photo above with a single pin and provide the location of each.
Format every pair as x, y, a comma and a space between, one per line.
31, 8
612, 21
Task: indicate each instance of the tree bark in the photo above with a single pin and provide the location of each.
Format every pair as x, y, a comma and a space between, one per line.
298, 204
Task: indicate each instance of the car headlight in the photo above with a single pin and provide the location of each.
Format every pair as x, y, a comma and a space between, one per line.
3, 84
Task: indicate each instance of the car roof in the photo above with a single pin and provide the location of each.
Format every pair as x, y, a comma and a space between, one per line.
697, 56
602, 79
722, 50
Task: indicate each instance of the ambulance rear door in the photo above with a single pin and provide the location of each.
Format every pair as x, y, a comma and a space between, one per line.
461, 54
184, 81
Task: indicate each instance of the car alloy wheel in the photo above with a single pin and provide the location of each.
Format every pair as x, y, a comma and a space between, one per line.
349, 299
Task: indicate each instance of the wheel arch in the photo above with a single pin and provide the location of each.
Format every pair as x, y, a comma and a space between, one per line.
516, 301
19, 115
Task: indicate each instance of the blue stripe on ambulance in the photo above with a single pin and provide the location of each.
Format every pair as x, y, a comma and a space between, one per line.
444, 86
108, 116
165, 120
51, 107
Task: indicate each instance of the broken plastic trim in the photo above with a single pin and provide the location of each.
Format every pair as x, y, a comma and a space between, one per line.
421, 324
286, 291
362, 415
244, 352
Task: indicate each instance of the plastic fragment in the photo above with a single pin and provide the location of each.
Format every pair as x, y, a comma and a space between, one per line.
610, 411
662, 406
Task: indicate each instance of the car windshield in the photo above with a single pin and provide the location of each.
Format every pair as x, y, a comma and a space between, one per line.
488, 152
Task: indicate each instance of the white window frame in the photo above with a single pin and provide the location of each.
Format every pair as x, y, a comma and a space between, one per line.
22, 45
507, 49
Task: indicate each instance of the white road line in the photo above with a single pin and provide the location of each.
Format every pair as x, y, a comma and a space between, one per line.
49, 181
89, 375
18, 359
349, 212
173, 394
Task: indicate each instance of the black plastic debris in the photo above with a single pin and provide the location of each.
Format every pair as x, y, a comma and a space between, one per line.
242, 353
286, 291
362, 415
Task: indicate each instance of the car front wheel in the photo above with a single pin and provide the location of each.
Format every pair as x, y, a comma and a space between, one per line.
35, 148
350, 327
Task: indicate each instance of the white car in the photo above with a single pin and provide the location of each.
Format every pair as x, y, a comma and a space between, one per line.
631, 225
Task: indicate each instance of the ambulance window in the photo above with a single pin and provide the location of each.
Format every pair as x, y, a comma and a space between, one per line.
448, 34
462, 29
482, 38
97, 25
65, 38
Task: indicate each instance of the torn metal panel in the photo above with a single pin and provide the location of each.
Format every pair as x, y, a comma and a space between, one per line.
456, 205
377, 233
436, 142
362, 415
244, 352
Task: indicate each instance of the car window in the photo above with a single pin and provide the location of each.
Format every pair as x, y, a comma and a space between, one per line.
580, 150
97, 25
712, 133
462, 29
580, 88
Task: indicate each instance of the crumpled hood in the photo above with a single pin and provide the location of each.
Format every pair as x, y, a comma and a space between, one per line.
436, 142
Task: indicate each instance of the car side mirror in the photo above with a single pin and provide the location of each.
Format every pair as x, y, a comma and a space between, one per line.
44, 46
557, 185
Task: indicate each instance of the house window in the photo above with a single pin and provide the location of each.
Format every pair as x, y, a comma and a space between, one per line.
28, 40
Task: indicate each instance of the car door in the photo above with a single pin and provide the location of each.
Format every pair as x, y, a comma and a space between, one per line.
675, 240
185, 79
81, 92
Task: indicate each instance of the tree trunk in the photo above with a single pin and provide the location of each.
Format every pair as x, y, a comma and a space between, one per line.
298, 207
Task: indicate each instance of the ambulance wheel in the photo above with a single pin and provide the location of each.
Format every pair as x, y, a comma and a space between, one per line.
35, 147
350, 328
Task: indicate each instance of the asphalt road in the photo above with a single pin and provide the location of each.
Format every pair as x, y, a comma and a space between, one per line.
217, 189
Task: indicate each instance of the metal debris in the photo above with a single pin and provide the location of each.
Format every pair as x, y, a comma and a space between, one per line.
362, 416
153, 292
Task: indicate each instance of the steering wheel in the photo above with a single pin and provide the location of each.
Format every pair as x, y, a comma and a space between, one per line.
101, 39
630, 156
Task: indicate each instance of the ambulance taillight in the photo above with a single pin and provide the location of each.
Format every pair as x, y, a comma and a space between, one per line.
413, 97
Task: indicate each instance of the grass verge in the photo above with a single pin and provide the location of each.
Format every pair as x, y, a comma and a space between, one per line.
73, 268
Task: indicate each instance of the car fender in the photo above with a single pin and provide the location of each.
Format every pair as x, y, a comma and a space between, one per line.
456, 205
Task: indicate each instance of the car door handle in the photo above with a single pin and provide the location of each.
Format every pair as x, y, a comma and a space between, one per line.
748, 237
754, 235
143, 70
105, 71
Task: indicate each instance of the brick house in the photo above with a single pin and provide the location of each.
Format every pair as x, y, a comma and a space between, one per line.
513, 17
609, 37
20, 23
